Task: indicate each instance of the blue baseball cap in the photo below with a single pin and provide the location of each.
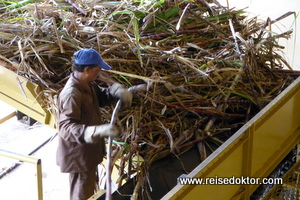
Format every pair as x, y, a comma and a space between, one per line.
90, 57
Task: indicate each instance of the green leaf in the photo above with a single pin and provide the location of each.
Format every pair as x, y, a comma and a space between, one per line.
17, 4
170, 13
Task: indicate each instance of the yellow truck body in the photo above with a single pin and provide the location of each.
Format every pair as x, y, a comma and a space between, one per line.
253, 151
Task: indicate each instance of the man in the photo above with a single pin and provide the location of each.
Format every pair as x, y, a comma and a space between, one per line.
81, 135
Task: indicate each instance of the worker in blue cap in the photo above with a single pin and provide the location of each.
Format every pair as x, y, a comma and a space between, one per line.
81, 133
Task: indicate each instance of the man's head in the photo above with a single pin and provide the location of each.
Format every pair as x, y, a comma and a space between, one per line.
88, 58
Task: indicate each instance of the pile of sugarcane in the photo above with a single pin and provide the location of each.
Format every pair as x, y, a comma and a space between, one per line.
208, 68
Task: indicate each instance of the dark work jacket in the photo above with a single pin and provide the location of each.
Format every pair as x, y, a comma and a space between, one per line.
77, 109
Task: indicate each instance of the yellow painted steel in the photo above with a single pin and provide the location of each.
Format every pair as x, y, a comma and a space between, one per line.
7, 117
253, 151
28, 159
24, 95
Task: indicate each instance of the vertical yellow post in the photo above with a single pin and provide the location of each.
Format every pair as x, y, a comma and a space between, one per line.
39, 176
28, 159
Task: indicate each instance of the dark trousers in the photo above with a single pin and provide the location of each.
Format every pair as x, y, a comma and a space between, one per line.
83, 185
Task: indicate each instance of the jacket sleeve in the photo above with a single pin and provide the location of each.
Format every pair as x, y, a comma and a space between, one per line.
69, 117
104, 96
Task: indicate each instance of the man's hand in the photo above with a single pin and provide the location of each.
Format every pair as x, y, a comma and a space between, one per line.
121, 92
92, 134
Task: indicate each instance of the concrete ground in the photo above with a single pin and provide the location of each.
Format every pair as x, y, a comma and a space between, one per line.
21, 183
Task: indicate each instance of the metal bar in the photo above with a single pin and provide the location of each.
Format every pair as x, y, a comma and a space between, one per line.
7, 117
109, 150
8, 170
28, 159
17, 156
39, 179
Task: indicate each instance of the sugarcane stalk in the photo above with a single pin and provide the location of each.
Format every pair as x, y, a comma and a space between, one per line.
58, 36
272, 22
129, 169
121, 172
181, 17
77, 7
135, 194
187, 101
201, 139
21, 88
200, 147
233, 84
208, 111
160, 35
193, 142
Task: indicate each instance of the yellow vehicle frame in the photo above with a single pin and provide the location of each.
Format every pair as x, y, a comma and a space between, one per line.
24, 95
254, 151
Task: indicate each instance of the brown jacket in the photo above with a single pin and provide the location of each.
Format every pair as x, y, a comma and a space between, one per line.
77, 109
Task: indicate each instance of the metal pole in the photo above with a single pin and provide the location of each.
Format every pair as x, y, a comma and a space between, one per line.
39, 178
109, 150
31, 160
8, 170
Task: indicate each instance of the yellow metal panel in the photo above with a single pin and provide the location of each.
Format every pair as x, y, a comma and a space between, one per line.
276, 131
253, 151
224, 167
227, 162
23, 95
